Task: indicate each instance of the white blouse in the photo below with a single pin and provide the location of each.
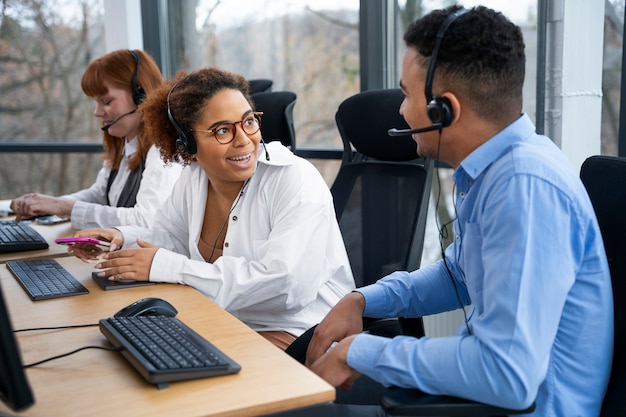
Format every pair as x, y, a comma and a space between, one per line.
284, 263
91, 209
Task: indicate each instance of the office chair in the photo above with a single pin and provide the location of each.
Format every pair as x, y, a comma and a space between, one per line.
604, 178
277, 123
380, 187
260, 85
381, 195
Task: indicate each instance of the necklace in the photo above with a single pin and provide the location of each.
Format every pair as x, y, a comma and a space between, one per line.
227, 217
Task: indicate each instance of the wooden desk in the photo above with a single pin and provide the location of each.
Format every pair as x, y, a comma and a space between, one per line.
49, 232
102, 383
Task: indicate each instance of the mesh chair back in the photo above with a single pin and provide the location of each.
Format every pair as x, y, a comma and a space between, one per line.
381, 195
363, 121
382, 189
379, 207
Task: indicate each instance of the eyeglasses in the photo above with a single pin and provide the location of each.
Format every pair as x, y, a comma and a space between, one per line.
225, 132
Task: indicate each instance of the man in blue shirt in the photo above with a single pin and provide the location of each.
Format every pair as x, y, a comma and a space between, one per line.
527, 258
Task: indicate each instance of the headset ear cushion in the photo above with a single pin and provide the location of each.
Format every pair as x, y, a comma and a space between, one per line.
181, 145
439, 111
139, 96
185, 144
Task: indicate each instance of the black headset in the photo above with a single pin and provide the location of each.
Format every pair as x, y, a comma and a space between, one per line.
185, 143
439, 109
138, 94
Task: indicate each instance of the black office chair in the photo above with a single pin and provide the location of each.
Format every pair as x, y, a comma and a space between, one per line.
415, 403
260, 85
382, 189
381, 196
604, 178
277, 124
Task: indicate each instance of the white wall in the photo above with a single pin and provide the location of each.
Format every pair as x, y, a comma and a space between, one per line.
122, 22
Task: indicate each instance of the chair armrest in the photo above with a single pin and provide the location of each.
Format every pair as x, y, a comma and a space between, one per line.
412, 402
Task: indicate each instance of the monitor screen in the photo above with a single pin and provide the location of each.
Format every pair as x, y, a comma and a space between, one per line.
14, 387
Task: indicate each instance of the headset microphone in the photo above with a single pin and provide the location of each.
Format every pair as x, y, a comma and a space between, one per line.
267, 155
404, 132
107, 126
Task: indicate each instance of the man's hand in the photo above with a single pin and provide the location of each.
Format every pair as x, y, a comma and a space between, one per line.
333, 366
345, 319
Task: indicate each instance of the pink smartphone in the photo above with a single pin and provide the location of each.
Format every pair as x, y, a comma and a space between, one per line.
103, 245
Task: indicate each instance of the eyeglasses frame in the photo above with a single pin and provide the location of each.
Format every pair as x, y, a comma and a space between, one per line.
257, 115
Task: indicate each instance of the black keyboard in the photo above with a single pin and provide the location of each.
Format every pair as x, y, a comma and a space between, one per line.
163, 349
19, 237
45, 278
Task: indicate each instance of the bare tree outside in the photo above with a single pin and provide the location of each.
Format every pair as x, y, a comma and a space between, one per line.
45, 45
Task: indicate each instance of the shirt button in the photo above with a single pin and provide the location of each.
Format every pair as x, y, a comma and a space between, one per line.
225, 244
234, 218
458, 238
462, 194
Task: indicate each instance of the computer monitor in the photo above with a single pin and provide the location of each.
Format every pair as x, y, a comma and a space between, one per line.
15, 390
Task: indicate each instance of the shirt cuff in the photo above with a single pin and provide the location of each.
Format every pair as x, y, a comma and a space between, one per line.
78, 214
130, 236
364, 352
375, 300
166, 266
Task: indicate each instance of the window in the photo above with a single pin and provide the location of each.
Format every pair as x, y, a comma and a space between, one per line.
310, 47
44, 49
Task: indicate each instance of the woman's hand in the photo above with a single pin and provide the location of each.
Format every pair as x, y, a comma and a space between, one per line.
31, 205
86, 252
125, 264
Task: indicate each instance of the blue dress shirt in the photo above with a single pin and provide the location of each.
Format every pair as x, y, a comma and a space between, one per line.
528, 258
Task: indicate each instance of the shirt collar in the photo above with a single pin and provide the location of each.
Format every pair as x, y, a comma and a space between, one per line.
482, 157
131, 146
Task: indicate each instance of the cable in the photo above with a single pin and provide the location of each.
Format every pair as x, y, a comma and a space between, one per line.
113, 349
56, 327
443, 234
227, 217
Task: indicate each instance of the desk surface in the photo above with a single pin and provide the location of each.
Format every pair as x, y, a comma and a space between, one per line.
49, 232
97, 382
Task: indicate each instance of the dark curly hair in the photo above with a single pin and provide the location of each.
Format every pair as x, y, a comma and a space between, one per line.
187, 102
481, 57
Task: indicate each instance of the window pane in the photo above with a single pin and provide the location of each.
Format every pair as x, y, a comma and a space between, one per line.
305, 46
612, 75
308, 47
44, 49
